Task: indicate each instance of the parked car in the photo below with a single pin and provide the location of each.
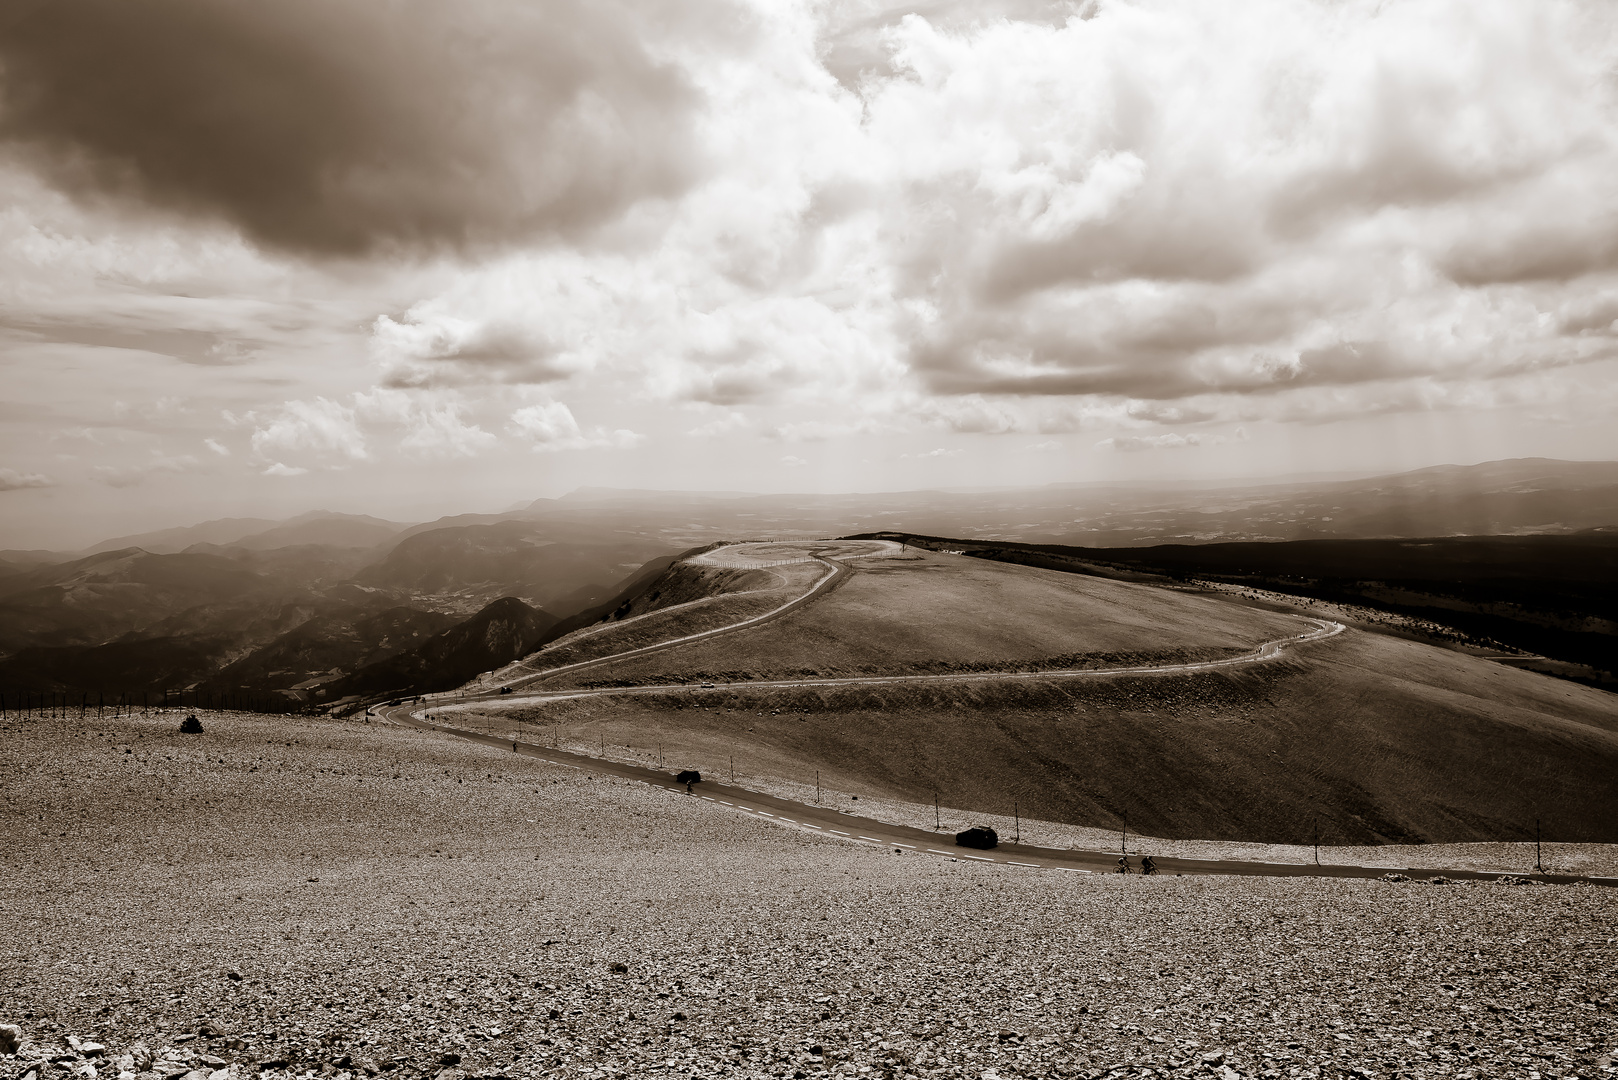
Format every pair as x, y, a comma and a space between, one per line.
978, 836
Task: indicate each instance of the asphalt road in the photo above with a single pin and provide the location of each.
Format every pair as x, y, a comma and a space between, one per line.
900, 838
834, 572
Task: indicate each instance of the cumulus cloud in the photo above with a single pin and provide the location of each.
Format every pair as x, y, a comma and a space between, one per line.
217, 447
429, 348
12, 480
433, 425
276, 468
1171, 198
820, 220
336, 126
550, 426
728, 424
938, 453
793, 461
321, 427
1130, 444
421, 424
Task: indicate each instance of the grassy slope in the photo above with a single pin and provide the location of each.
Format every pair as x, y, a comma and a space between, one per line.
684, 600
1383, 739
929, 612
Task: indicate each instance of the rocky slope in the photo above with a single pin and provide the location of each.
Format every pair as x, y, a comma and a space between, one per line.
287, 899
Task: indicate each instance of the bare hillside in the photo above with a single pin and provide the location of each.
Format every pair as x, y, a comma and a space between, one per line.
1374, 739
924, 612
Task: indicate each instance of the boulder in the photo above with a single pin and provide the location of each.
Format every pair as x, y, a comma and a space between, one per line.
10, 1038
191, 726
978, 836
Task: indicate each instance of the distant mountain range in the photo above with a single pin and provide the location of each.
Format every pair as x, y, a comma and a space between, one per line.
300, 608
259, 534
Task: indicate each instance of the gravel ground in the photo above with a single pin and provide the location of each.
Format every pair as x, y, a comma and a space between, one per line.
303, 898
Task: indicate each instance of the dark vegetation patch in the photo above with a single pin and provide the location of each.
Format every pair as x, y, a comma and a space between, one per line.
1556, 596
1064, 662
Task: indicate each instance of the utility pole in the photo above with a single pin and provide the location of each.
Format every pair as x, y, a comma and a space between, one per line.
1539, 867
817, 786
733, 768
1016, 816
1123, 838
937, 824
1317, 839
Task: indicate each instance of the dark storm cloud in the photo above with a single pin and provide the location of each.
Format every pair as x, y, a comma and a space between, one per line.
341, 126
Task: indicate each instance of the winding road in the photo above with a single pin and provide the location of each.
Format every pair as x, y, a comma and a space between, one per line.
867, 831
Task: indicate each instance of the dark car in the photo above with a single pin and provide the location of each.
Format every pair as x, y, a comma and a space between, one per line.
978, 836
505, 689
689, 776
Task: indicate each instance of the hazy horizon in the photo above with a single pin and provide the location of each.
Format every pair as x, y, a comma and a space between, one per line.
156, 521
419, 260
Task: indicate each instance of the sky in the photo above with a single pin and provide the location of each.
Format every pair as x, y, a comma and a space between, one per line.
409, 258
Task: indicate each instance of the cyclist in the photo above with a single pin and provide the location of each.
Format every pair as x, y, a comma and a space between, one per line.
1147, 866
1123, 864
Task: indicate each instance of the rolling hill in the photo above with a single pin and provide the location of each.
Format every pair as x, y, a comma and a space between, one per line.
503, 631
193, 601
1555, 596
1379, 738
